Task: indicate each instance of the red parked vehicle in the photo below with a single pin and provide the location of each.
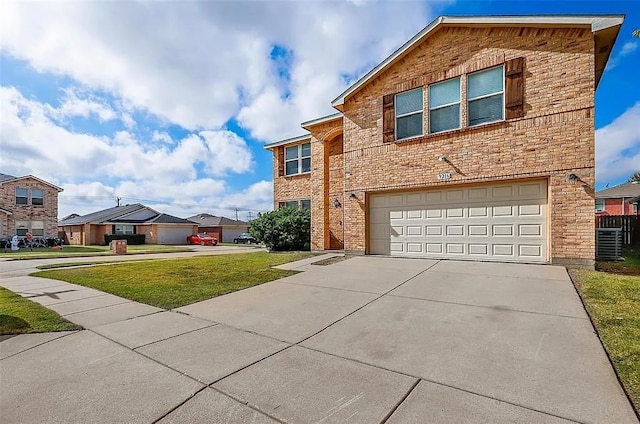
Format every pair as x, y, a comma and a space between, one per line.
203, 239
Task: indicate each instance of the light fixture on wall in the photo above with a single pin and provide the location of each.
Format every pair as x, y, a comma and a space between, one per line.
443, 158
353, 196
336, 203
573, 179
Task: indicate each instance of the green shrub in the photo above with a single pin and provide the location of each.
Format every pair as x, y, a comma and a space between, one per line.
130, 238
284, 229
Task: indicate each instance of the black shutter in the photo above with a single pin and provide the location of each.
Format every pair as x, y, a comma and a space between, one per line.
514, 88
388, 118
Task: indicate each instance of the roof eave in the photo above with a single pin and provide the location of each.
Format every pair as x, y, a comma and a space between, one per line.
322, 120
287, 141
597, 23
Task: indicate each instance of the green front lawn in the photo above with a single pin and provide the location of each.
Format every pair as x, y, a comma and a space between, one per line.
75, 251
612, 297
19, 315
173, 283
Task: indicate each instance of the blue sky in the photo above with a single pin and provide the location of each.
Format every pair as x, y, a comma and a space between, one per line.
170, 103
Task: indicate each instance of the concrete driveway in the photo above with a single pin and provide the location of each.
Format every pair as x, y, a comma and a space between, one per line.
364, 340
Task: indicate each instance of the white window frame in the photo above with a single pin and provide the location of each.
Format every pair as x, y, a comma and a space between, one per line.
123, 229
404, 115
597, 208
484, 96
37, 232
33, 197
297, 159
25, 197
21, 224
291, 204
634, 208
459, 102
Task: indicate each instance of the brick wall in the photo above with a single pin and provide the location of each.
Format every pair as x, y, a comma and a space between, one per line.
48, 213
553, 139
618, 206
292, 187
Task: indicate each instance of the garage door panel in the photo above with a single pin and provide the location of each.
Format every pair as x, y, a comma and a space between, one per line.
504, 221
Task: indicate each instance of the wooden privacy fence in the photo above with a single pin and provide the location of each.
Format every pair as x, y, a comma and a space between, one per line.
630, 225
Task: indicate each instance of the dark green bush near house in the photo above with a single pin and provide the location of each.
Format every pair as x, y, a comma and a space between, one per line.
130, 238
284, 229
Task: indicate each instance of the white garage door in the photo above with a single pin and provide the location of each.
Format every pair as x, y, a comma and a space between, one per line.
501, 222
173, 235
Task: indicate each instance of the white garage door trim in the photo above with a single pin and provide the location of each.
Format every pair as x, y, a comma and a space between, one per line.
493, 222
174, 235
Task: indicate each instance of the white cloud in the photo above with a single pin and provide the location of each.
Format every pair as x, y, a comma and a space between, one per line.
27, 128
627, 48
198, 64
75, 104
618, 147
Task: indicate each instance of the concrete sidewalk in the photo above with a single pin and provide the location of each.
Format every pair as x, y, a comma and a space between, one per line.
362, 340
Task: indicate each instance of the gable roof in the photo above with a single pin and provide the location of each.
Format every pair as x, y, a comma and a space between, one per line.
605, 27
207, 220
6, 178
165, 218
630, 189
123, 214
104, 215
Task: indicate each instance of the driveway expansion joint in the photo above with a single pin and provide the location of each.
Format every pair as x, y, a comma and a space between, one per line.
487, 307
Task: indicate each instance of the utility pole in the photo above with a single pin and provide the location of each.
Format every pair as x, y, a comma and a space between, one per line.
236, 214
249, 216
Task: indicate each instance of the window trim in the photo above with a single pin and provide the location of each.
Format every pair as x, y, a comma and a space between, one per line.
459, 102
503, 93
298, 202
299, 159
32, 230
124, 233
404, 115
39, 204
25, 197
598, 210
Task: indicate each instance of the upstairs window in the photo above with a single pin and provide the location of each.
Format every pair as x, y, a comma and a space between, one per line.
291, 204
298, 159
22, 196
37, 197
485, 94
409, 119
599, 205
444, 106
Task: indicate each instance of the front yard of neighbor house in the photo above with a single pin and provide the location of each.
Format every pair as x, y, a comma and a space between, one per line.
172, 283
19, 315
611, 295
75, 251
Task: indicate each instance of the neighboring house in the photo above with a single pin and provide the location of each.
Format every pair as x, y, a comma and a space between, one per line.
461, 144
224, 229
618, 200
28, 205
158, 228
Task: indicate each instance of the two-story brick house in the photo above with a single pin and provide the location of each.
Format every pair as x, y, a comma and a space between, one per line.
28, 205
473, 140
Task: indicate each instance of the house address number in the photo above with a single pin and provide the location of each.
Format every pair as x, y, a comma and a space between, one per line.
444, 176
